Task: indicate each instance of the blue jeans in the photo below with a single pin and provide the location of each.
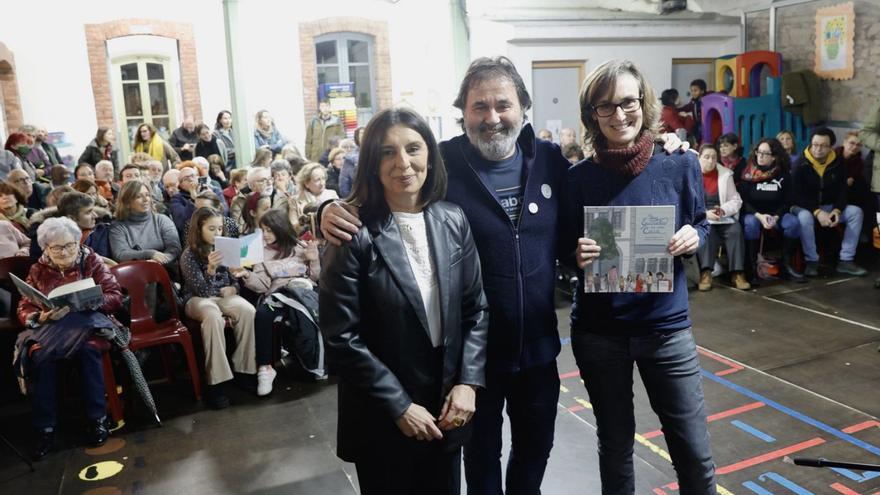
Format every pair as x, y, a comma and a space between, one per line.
851, 217
670, 370
532, 396
789, 225
44, 387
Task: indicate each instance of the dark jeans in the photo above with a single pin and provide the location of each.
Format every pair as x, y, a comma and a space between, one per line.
532, 396
44, 387
263, 321
670, 370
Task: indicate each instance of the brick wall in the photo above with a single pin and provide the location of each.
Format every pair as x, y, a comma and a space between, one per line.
9, 91
96, 39
308, 31
845, 101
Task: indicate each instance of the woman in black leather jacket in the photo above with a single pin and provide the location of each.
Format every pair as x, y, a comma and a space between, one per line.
404, 316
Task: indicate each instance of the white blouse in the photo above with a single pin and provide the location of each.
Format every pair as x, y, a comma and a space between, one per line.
415, 241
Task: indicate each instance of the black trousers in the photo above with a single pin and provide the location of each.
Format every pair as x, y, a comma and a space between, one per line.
425, 469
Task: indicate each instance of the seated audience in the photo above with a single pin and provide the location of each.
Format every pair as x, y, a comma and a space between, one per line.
103, 209
217, 171
310, 189
213, 293
8, 163
13, 209
256, 206
104, 180
336, 159
56, 334
786, 139
287, 263
84, 171
237, 181
266, 135
147, 140
767, 192
209, 144
153, 178
13, 242
140, 234
34, 193
722, 211
21, 145
103, 147
259, 181
567, 136
129, 173
545, 134
223, 131
184, 138
262, 158
80, 208
60, 176
282, 178
671, 118
731, 152
820, 197
858, 191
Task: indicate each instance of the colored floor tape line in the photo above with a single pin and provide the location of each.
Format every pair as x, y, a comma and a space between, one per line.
795, 414
732, 367
769, 456
751, 430
716, 416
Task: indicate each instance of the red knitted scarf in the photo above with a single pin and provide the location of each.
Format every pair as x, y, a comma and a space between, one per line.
630, 161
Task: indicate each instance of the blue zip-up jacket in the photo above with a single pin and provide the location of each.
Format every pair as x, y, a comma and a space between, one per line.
518, 261
667, 180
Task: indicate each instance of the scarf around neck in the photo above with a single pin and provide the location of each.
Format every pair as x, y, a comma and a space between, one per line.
154, 148
818, 166
756, 173
628, 162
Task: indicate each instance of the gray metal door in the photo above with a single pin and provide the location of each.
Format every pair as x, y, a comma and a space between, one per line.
555, 99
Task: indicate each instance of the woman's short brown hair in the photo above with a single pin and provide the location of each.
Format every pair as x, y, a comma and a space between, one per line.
601, 82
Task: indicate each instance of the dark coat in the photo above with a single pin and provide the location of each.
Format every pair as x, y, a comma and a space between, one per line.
518, 261
93, 154
812, 191
376, 327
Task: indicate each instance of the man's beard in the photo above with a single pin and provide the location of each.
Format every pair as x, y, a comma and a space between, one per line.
498, 147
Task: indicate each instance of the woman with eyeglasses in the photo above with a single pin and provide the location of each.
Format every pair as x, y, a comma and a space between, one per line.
722, 211
767, 194
55, 334
612, 332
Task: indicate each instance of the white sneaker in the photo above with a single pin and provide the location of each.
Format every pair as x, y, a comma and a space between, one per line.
265, 377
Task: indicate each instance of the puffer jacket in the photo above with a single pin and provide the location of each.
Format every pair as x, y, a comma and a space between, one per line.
45, 277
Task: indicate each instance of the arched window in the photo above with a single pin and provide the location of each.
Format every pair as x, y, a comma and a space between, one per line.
348, 57
143, 86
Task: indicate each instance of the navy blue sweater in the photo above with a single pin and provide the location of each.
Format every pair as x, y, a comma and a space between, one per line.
518, 261
667, 180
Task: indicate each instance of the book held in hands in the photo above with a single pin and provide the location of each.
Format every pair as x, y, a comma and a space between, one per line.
80, 295
238, 252
634, 256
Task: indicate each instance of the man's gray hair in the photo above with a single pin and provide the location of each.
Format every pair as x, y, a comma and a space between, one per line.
55, 228
254, 171
281, 166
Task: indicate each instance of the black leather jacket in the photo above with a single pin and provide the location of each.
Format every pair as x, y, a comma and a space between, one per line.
376, 328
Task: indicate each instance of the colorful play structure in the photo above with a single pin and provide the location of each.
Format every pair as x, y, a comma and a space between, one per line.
742, 105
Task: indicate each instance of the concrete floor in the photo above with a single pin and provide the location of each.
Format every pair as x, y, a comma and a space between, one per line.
789, 370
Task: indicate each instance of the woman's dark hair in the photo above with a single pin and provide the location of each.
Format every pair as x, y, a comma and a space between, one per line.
217, 124
484, 69
700, 83
285, 238
708, 146
71, 203
733, 139
780, 156
83, 185
194, 236
6, 189
250, 207
668, 97
81, 165
200, 127
358, 136
99, 136
367, 191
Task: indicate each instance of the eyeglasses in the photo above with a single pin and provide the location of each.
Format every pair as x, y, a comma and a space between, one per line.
764, 153
628, 105
261, 181
66, 247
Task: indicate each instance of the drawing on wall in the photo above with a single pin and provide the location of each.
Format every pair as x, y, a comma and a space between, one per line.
835, 30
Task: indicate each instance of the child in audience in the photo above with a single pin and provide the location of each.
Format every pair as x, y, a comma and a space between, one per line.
213, 294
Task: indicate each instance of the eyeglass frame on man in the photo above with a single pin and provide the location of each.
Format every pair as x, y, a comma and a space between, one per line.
640, 100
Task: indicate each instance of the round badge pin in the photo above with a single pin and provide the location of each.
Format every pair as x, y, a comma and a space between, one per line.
533, 208
546, 190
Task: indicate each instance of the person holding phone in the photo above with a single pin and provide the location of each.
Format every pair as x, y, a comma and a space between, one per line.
722, 211
212, 293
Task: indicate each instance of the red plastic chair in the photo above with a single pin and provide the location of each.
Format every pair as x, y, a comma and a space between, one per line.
19, 266
134, 276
